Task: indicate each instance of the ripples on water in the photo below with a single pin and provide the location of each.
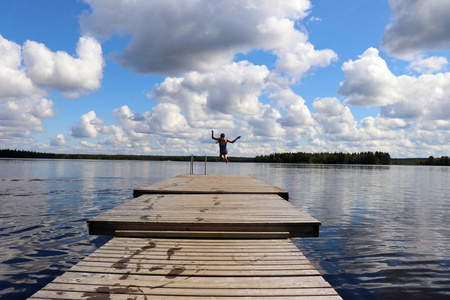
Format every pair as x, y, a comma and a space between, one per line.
384, 231
43, 230
44, 206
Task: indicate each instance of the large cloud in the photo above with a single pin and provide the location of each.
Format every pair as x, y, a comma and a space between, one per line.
418, 26
165, 119
232, 90
414, 110
27, 72
337, 130
381, 128
44, 69
229, 100
62, 72
174, 37
369, 82
23, 105
163, 131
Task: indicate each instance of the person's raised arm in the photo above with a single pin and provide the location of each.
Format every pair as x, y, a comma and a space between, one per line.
235, 139
212, 136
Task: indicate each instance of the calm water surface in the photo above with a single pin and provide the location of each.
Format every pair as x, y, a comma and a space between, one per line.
384, 232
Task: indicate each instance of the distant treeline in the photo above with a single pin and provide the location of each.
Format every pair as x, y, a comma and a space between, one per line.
377, 158
439, 161
369, 158
430, 161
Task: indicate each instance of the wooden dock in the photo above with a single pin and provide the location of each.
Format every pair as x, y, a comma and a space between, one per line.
212, 184
191, 244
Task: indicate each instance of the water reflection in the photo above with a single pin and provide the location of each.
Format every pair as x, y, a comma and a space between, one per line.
382, 230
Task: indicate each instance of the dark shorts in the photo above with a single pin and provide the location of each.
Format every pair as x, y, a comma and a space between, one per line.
223, 149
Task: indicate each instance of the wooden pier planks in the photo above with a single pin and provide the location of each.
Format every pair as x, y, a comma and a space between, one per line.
228, 241
206, 212
141, 268
211, 184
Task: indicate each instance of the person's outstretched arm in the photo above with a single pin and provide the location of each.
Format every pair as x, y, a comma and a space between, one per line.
235, 139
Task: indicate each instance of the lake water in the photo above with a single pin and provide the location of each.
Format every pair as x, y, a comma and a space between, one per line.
384, 232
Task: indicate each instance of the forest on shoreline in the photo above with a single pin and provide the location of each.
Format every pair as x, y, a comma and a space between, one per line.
366, 158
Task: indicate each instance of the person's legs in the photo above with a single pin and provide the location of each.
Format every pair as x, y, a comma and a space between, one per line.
223, 156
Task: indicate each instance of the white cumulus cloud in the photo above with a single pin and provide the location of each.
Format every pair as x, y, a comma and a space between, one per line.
27, 72
88, 126
234, 89
165, 119
369, 82
60, 71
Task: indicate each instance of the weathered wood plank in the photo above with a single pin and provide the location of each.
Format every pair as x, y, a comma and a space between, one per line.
201, 258
195, 281
194, 261
208, 292
302, 265
109, 294
198, 243
181, 270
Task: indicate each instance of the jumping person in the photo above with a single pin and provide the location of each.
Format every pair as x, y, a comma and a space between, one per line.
223, 144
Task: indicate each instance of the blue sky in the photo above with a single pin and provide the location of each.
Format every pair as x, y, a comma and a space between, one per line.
155, 77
